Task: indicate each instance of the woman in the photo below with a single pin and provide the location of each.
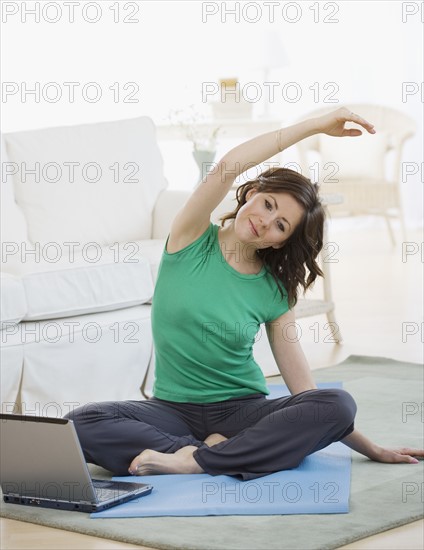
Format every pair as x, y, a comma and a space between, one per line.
215, 287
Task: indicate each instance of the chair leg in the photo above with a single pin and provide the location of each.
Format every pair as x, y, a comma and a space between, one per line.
401, 215
402, 226
335, 331
389, 227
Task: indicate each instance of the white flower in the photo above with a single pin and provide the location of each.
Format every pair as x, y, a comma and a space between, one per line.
195, 127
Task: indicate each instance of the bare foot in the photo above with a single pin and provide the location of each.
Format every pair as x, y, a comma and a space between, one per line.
214, 439
151, 462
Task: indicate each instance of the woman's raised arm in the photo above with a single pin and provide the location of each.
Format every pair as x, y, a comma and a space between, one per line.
194, 217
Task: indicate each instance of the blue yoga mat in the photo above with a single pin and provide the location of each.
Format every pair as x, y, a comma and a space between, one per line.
319, 485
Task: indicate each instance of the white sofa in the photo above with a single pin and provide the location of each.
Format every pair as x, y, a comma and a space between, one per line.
79, 255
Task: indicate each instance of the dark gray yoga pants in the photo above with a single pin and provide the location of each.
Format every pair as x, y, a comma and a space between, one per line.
265, 435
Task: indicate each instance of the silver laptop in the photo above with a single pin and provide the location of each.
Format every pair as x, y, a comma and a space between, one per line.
42, 464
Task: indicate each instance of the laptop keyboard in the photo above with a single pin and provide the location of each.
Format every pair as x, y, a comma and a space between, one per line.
104, 493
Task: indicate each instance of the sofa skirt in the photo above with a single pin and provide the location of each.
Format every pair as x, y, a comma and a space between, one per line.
50, 367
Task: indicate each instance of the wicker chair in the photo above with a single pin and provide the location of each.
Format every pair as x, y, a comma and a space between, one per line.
367, 171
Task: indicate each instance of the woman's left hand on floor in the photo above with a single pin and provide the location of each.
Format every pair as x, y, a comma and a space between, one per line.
400, 454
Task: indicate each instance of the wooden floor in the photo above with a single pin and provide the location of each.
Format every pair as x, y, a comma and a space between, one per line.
26, 536
378, 297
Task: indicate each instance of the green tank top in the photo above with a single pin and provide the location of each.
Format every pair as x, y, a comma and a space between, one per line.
205, 318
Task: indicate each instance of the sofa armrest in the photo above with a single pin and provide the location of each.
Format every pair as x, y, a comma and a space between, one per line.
171, 201
168, 204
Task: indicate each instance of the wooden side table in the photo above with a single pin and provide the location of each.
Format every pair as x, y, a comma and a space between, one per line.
229, 128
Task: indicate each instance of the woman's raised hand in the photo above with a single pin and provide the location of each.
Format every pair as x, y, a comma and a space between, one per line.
333, 124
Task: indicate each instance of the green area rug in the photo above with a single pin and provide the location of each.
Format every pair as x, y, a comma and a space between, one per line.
389, 395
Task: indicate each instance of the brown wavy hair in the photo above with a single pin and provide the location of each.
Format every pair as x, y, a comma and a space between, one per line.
288, 264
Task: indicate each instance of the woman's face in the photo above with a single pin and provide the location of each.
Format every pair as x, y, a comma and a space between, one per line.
267, 219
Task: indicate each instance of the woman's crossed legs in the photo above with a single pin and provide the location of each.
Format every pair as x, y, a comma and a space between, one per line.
263, 435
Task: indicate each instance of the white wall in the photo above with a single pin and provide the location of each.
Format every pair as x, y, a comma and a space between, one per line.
369, 53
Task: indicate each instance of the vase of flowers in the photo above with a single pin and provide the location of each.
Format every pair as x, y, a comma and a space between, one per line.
204, 160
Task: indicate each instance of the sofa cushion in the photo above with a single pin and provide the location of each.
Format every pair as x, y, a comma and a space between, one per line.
152, 250
119, 277
13, 302
13, 226
107, 196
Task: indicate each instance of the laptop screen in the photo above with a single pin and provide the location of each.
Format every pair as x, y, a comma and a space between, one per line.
41, 458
